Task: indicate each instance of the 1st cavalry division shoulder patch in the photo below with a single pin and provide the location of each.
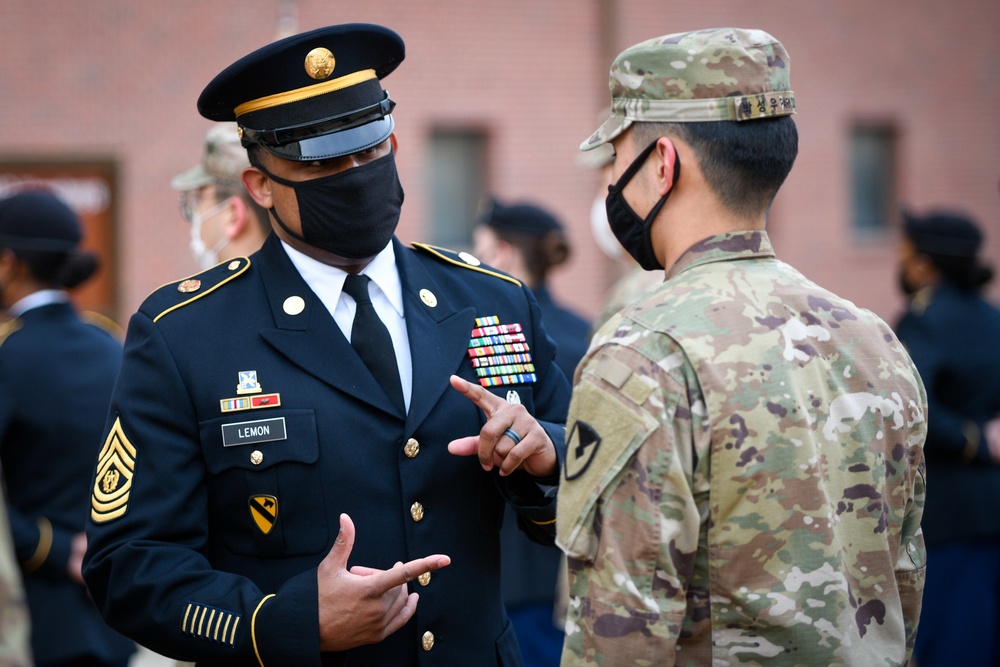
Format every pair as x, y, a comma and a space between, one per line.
113, 483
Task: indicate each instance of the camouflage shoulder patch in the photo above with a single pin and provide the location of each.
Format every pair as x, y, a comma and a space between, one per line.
113, 482
176, 295
463, 259
597, 451
9, 327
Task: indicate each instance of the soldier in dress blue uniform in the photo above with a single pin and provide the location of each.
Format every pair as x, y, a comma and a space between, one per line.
951, 332
262, 496
57, 371
528, 242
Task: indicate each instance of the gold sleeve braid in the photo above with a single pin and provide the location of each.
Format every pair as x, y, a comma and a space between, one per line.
43, 548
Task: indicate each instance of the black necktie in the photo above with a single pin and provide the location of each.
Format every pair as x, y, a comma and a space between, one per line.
371, 340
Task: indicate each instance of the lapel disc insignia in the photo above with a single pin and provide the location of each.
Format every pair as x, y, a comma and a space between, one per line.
581, 445
294, 305
428, 298
264, 511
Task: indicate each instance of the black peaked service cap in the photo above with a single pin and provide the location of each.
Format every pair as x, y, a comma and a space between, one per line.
310, 96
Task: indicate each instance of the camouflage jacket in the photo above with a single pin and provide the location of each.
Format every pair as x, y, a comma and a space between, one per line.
744, 478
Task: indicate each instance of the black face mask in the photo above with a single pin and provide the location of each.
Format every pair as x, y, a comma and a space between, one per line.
353, 213
632, 231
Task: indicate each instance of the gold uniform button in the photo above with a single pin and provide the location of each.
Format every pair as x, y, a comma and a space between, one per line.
424, 579
427, 641
256, 457
412, 448
417, 511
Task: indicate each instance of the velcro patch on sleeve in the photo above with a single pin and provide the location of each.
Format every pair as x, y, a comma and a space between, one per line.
605, 430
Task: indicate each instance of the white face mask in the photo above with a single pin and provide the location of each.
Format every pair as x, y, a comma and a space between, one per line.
601, 230
206, 257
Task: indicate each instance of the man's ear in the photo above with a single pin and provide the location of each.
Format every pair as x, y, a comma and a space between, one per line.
258, 186
666, 164
238, 220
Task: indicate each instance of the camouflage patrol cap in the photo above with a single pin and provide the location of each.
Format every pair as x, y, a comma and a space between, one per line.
705, 75
222, 163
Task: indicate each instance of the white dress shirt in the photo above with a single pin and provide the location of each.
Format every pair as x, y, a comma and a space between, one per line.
387, 297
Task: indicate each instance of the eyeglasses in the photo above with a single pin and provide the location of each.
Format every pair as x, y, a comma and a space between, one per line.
189, 202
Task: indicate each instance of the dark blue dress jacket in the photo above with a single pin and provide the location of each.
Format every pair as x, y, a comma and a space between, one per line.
56, 377
953, 337
209, 517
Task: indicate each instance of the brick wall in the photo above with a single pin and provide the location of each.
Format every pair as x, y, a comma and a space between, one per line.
115, 79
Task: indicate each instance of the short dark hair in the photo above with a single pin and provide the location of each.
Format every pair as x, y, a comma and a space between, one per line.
744, 162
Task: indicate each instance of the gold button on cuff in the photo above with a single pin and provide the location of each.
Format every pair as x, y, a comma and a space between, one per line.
417, 511
412, 448
424, 579
427, 641
256, 457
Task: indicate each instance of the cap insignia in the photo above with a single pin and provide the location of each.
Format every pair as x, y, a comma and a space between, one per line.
320, 63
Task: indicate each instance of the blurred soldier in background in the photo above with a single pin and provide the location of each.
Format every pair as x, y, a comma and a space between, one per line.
528, 242
953, 335
56, 377
225, 221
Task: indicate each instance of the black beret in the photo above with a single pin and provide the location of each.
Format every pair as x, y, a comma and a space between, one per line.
38, 221
310, 96
520, 218
943, 233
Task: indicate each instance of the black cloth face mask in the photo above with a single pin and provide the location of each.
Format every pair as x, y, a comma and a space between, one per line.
352, 213
631, 230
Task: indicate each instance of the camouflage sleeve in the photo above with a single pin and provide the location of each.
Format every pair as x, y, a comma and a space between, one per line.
627, 515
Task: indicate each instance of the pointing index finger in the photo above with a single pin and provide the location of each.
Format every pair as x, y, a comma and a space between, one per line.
486, 401
402, 573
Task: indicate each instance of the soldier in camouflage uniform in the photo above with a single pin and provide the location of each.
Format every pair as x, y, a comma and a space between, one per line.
15, 625
744, 478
